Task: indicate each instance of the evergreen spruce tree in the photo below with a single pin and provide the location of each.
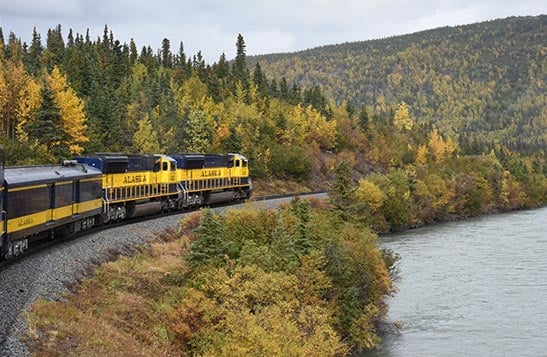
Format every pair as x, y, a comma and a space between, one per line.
260, 81
284, 89
198, 65
47, 128
274, 90
222, 69
234, 142
166, 55
239, 70
364, 121
14, 48
117, 64
133, 53
209, 248
70, 39
302, 209
181, 56
106, 39
181, 68
341, 192
34, 56
55, 48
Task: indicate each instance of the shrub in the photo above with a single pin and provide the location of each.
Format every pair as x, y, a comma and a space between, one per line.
290, 162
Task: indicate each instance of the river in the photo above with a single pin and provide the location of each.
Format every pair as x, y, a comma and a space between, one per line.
471, 288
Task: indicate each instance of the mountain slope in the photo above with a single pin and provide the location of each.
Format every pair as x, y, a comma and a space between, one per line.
484, 81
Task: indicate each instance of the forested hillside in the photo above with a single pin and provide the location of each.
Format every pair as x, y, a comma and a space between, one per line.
484, 82
404, 148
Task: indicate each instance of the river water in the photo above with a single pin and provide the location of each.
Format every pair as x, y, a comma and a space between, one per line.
471, 288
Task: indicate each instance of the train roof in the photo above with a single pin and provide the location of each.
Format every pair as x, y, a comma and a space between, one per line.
42, 174
189, 161
106, 162
239, 156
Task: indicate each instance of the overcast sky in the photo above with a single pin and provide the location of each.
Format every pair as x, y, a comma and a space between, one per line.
267, 26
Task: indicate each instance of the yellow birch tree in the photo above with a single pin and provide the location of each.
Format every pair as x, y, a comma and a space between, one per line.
72, 110
402, 117
145, 139
421, 155
28, 105
14, 83
437, 146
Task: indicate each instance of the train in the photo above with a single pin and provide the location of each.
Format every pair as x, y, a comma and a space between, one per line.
47, 201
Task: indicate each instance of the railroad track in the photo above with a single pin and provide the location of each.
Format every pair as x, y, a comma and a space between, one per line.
46, 243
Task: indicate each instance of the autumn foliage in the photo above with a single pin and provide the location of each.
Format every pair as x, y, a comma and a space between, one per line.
295, 281
101, 96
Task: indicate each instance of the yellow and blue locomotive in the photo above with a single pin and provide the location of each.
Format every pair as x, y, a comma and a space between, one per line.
44, 201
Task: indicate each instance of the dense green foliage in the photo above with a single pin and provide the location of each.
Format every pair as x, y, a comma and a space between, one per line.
484, 82
307, 272
433, 191
298, 281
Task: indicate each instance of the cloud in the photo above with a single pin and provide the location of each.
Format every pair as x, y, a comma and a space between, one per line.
41, 9
268, 26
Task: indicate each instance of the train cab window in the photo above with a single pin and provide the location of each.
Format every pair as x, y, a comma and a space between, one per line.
244, 163
238, 163
90, 190
157, 167
173, 166
64, 195
29, 201
164, 166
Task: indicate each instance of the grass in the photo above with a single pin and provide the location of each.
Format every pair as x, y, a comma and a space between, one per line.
277, 186
120, 311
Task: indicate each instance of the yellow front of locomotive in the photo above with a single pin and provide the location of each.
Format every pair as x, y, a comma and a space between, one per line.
166, 176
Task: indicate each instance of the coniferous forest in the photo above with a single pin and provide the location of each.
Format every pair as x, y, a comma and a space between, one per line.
402, 132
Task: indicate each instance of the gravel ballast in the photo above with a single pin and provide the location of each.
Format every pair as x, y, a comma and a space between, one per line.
51, 272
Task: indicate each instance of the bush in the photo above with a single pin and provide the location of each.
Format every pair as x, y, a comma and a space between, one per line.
287, 281
290, 162
19, 153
